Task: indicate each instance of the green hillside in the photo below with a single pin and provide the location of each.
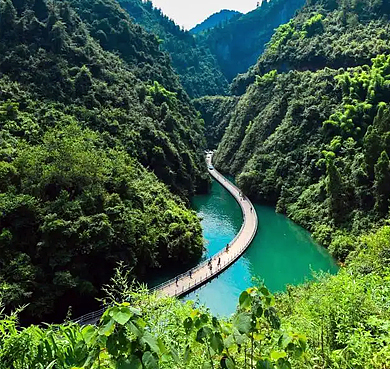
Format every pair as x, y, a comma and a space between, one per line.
238, 44
87, 103
314, 142
196, 66
101, 150
214, 20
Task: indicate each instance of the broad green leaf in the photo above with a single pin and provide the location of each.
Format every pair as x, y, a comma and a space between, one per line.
240, 338
272, 317
88, 332
207, 365
216, 342
258, 336
121, 314
166, 358
264, 291
197, 322
229, 341
134, 329
245, 300
149, 361
202, 334
130, 363
259, 311
302, 342
275, 355
284, 340
230, 363
243, 322
264, 364
283, 364
112, 345
135, 311
161, 346
188, 322
107, 329
149, 339
215, 322
298, 352
204, 318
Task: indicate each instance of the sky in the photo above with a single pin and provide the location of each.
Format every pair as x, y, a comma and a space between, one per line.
188, 13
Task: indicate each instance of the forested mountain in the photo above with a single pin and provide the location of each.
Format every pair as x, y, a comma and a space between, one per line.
207, 61
197, 67
101, 148
215, 20
310, 134
314, 142
93, 121
238, 44
216, 112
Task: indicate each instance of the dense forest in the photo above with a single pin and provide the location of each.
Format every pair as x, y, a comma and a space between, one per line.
309, 134
238, 43
100, 151
216, 19
197, 67
208, 60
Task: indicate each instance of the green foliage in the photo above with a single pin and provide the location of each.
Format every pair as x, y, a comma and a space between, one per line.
216, 112
310, 134
346, 317
87, 102
238, 43
316, 144
333, 34
154, 332
196, 66
81, 203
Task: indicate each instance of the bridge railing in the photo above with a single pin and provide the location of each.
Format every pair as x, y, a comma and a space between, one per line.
218, 176
204, 263
93, 317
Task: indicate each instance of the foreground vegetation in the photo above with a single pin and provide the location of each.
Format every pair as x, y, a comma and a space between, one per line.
332, 322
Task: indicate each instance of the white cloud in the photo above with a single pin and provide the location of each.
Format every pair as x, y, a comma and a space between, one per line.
188, 13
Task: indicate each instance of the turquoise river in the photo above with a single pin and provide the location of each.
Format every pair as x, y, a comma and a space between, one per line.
282, 252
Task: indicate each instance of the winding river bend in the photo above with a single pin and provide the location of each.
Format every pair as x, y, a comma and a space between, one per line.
282, 252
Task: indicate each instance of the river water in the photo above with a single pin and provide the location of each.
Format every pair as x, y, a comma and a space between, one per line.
282, 252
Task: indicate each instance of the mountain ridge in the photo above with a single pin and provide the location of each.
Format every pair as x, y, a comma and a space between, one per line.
215, 20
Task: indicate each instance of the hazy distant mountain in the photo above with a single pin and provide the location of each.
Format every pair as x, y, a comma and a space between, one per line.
238, 43
214, 20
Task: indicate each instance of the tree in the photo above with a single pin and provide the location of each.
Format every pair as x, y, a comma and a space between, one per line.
83, 81
334, 188
58, 36
7, 16
382, 183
